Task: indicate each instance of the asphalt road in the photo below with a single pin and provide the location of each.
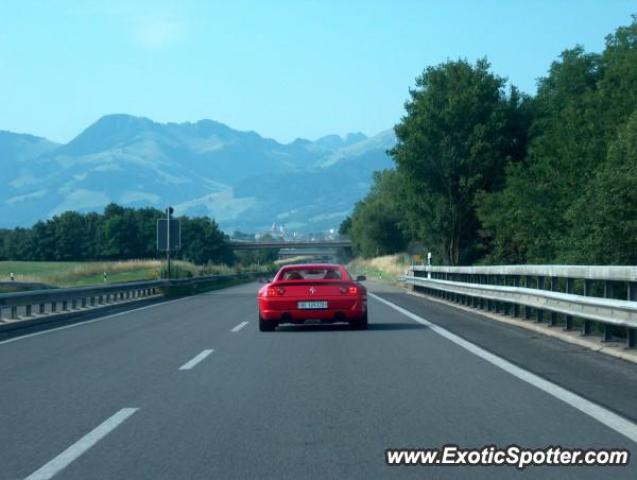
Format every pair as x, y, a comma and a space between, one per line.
187, 389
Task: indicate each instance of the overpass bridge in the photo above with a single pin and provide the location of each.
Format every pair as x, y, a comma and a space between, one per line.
252, 245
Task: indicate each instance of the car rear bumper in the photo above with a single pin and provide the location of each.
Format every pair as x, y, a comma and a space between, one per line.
329, 315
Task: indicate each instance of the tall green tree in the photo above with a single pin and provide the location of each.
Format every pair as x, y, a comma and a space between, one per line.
577, 112
604, 216
460, 131
376, 222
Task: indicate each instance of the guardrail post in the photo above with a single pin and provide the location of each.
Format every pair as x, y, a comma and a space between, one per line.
587, 325
41, 309
526, 309
92, 300
74, 304
553, 315
447, 295
608, 293
568, 319
507, 306
488, 302
516, 307
539, 313
631, 291
28, 311
64, 305
83, 302
631, 333
54, 307
14, 312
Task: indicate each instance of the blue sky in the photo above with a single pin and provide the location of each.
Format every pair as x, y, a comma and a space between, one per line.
285, 69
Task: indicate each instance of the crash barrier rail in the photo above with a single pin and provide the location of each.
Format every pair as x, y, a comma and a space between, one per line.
602, 297
20, 305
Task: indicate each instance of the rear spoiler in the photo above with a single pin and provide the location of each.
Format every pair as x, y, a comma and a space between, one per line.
328, 281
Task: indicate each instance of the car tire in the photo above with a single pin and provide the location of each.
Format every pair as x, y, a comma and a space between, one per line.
265, 326
361, 323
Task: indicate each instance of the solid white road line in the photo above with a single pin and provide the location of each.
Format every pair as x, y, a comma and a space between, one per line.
239, 327
191, 363
619, 424
82, 445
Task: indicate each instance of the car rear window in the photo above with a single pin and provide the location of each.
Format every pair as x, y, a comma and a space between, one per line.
312, 274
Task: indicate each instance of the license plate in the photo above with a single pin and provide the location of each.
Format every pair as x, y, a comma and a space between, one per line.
311, 305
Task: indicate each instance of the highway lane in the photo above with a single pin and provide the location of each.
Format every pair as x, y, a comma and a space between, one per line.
302, 402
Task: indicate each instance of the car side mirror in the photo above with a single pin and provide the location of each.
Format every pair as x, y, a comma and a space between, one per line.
361, 278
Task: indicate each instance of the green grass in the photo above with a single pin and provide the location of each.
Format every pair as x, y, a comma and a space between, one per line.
74, 274
34, 268
69, 274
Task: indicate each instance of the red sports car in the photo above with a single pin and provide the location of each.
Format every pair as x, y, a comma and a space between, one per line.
322, 293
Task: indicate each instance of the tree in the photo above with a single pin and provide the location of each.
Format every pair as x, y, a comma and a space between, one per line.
604, 217
203, 242
459, 132
375, 224
577, 112
345, 226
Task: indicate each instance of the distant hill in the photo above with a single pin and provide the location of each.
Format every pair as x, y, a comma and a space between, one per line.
241, 179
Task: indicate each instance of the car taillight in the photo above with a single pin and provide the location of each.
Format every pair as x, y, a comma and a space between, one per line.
350, 290
273, 292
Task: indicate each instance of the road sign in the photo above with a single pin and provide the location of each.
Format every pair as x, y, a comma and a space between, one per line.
162, 235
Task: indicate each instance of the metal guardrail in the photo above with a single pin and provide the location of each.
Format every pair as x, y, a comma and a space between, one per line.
531, 290
65, 300
594, 272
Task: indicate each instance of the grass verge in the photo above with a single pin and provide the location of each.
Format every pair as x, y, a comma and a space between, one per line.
75, 274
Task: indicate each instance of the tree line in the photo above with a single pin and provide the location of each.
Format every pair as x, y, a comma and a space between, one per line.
486, 174
118, 233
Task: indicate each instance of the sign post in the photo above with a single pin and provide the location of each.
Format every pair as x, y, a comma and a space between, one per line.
168, 236
169, 210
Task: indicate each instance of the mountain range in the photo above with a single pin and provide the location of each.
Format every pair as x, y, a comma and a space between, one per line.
243, 180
